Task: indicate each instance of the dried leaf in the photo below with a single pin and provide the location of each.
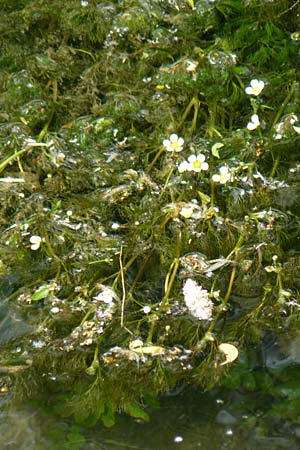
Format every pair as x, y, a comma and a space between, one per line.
230, 352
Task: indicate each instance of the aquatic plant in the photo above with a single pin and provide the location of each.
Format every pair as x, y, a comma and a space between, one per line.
149, 196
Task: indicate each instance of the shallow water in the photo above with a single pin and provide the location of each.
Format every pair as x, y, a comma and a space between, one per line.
191, 420
236, 419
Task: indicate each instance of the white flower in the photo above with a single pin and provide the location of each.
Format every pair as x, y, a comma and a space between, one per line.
254, 122
197, 163
146, 309
255, 88
35, 242
174, 144
187, 212
197, 300
183, 167
224, 175
107, 296
192, 66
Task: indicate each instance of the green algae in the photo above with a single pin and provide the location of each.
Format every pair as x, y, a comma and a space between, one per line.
87, 98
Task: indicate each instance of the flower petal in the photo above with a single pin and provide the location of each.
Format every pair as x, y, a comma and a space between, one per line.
200, 157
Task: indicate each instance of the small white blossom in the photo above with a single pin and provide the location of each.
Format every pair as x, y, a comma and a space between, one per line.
187, 212
197, 300
254, 122
192, 66
146, 309
270, 269
183, 167
107, 296
255, 88
197, 163
35, 242
223, 176
174, 144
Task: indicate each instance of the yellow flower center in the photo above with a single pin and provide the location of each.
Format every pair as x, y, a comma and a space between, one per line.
174, 145
197, 164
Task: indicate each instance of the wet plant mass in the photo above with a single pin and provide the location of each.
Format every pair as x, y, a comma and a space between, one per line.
149, 199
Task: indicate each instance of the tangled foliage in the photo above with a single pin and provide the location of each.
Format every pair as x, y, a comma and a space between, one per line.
102, 225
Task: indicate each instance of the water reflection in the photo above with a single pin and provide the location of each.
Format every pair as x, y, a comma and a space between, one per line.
189, 421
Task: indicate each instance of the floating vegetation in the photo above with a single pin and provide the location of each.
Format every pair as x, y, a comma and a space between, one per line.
149, 196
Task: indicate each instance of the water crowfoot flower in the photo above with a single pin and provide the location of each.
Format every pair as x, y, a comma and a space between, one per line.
254, 122
197, 163
192, 65
223, 176
183, 167
174, 144
255, 88
35, 242
197, 300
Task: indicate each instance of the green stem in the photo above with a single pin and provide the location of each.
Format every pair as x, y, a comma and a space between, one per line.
46, 126
229, 288
166, 183
277, 117
194, 103
212, 194
19, 153
275, 165
158, 154
169, 281
283, 106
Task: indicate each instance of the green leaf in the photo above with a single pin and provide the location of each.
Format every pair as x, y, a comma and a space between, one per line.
205, 199
215, 149
190, 3
290, 389
287, 409
41, 293
136, 411
297, 129
108, 418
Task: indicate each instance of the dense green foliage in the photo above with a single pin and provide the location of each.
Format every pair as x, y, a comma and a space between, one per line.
89, 91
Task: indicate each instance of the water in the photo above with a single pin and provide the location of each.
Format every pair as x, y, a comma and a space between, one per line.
189, 421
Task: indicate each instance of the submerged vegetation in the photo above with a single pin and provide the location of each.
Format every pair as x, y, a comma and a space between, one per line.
149, 199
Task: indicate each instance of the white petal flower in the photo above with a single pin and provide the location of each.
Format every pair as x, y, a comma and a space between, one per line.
174, 144
254, 122
223, 176
197, 163
192, 66
35, 242
107, 295
183, 167
186, 212
255, 88
197, 300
